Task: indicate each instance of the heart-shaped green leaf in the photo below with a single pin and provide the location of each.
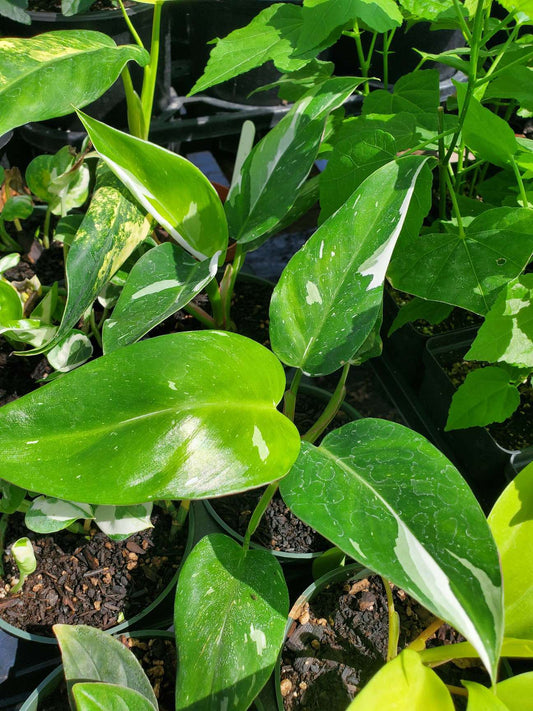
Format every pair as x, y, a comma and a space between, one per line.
391, 500
47, 75
517, 692
231, 610
467, 270
168, 186
187, 415
95, 696
162, 281
89, 654
329, 296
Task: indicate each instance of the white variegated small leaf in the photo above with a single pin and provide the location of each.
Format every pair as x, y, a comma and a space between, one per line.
10, 260
47, 514
119, 522
70, 352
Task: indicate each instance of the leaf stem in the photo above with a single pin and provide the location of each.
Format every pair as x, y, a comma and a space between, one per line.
229, 286
46, 229
394, 622
442, 165
455, 204
419, 643
213, 292
200, 314
150, 71
94, 329
259, 510
131, 28
331, 408
289, 400
520, 182
3, 526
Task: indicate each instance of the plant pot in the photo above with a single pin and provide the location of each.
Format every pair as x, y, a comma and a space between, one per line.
486, 464
155, 611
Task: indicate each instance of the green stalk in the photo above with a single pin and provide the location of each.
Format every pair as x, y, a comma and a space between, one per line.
134, 108
200, 315
150, 71
427, 142
330, 410
455, 204
213, 292
289, 399
3, 526
485, 79
178, 515
259, 510
387, 41
94, 329
46, 229
520, 182
442, 165
419, 643
394, 623
464, 27
364, 62
8, 241
131, 28
227, 292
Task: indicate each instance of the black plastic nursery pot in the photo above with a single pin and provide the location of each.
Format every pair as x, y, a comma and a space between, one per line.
486, 463
159, 613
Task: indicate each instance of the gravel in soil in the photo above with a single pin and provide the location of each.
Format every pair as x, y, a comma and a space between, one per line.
88, 580
338, 641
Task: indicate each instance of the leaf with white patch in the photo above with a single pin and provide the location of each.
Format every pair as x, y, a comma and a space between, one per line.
71, 352
120, 522
173, 190
164, 418
28, 330
47, 514
160, 283
231, 609
329, 296
8, 261
388, 498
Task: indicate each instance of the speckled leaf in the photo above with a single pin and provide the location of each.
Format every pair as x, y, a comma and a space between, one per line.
162, 281
469, 271
278, 166
188, 415
231, 610
45, 76
404, 684
388, 498
95, 696
329, 296
90, 654
113, 226
173, 190
511, 522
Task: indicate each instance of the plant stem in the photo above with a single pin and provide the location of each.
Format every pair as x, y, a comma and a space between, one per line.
131, 28
213, 292
46, 229
464, 27
200, 314
457, 690
3, 525
259, 510
419, 643
8, 242
331, 408
442, 165
520, 182
150, 71
387, 41
229, 286
455, 204
134, 109
105, 313
178, 515
394, 622
94, 329
289, 400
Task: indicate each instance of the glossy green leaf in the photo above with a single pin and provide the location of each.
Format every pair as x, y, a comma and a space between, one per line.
95, 696
231, 610
511, 522
71, 352
10, 304
482, 699
18, 207
507, 332
430, 311
119, 522
513, 83
10, 497
47, 306
56, 180
28, 330
47, 515
324, 20
278, 166
469, 271
523, 6
432, 10
8, 261
162, 281
485, 396
89, 654
401, 126
111, 229
271, 35
47, 75
67, 227
388, 498
485, 133
173, 190
353, 160
517, 692
15, 10
329, 295
404, 684
187, 415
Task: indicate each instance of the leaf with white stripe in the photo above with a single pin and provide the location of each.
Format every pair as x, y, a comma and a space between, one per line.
329, 295
388, 498
47, 514
119, 522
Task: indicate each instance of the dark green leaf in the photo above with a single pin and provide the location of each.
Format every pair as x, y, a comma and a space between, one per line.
430, 311
17, 207
231, 610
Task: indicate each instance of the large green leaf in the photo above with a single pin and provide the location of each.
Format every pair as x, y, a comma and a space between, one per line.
231, 610
47, 75
517, 692
466, 271
95, 696
507, 332
513, 83
169, 187
271, 35
162, 281
511, 522
90, 654
329, 296
11, 308
391, 500
482, 699
404, 684
111, 229
277, 168
187, 415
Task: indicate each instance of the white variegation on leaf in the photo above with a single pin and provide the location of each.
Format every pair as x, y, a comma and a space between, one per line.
47, 514
119, 522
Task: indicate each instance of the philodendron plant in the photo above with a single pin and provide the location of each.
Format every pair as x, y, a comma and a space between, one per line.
249, 609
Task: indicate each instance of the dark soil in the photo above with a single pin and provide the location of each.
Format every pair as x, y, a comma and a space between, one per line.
516, 432
55, 5
339, 641
88, 580
18, 374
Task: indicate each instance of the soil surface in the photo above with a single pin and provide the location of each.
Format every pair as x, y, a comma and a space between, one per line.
339, 641
88, 580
